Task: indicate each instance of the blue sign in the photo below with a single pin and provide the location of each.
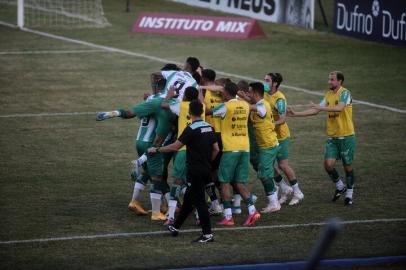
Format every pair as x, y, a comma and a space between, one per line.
375, 20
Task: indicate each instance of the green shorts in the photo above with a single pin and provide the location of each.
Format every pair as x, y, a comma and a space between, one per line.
283, 152
266, 158
155, 162
179, 165
234, 167
342, 148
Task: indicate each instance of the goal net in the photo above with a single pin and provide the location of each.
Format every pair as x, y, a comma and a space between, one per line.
53, 13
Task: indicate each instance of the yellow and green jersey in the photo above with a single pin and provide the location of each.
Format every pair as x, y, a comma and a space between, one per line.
234, 125
263, 125
278, 104
339, 124
181, 109
212, 99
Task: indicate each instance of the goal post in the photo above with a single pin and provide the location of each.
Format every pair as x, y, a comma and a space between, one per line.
20, 13
55, 13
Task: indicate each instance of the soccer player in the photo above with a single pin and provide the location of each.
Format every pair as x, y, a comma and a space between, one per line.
201, 149
212, 98
340, 144
266, 143
235, 160
181, 109
277, 101
150, 107
181, 79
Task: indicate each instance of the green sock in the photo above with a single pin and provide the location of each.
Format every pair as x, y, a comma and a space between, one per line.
227, 204
278, 178
269, 186
333, 175
350, 179
249, 201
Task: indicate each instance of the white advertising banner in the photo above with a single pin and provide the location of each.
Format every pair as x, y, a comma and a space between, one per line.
295, 12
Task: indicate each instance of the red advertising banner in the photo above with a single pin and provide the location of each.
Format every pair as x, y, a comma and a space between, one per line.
176, 24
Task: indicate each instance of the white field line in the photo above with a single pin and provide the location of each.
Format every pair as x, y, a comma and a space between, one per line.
49, 52
135, 234
45, 114
162, 60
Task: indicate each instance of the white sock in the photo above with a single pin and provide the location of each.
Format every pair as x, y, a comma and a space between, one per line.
167, 197
273, 199
155, 202
228, 214
349, 192
237, 200
172, 208
284, 186
138, 187
296, 188
142, 159
339, 184
215, 204
251, 209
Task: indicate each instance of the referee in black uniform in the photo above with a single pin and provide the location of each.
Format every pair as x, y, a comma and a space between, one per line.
201, 149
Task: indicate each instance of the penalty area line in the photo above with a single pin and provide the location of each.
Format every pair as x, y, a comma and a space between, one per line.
136, 234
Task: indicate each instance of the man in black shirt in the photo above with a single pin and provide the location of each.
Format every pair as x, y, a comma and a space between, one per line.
201, 149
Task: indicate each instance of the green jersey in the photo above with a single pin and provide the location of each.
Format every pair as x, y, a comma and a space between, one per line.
151, 108
146, 131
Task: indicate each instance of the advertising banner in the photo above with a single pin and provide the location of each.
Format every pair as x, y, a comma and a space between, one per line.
375, 20
177, 24
295, 12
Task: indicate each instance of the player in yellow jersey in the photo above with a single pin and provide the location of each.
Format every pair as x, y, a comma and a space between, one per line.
213, 97
266, 143
277, 100
340, 144
235, 160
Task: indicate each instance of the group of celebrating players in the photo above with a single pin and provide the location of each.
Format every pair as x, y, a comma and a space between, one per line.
249, 121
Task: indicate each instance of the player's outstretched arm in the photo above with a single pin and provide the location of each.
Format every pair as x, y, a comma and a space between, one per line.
309, 112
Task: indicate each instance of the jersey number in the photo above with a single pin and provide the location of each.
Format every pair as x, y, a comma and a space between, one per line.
178, 86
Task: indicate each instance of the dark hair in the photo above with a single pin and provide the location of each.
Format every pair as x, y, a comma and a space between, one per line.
258, 88
191, 93
170, 66
197, 77
196, 108
158, 82
339, 75
243, 85
231, 88
193, 62
222, 81
276, 78
209, 74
